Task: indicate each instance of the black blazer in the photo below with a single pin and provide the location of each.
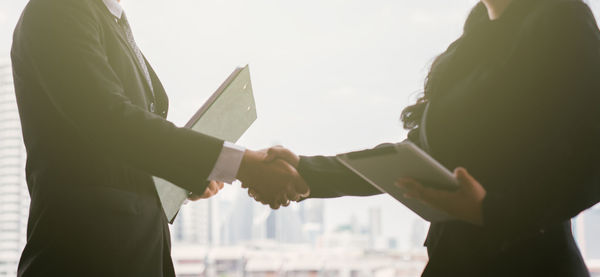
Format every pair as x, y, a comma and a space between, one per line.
93, 145
523, 116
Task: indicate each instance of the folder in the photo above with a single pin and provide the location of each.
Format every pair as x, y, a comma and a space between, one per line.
384, 165
227, 114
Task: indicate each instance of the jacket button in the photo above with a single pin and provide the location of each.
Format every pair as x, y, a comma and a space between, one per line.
163, 112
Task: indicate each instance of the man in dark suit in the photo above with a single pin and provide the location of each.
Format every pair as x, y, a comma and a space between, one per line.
93, 117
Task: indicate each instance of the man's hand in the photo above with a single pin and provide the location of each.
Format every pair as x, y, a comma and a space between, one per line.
213, 188
274, 182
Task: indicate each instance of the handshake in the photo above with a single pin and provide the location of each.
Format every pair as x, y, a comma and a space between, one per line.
270, 176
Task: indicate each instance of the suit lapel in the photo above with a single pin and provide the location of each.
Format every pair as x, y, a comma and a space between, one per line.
123, 38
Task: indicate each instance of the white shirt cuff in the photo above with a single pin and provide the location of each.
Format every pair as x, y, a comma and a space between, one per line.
228, 163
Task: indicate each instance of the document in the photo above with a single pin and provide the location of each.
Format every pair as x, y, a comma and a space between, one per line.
384, 165
227, 115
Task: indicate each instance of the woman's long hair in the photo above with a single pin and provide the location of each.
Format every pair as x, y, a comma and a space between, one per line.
445, 68
462, 57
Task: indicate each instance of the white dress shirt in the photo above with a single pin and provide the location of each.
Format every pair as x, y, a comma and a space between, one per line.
230, 158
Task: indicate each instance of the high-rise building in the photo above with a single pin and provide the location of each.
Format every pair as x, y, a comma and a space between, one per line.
193, 223
14, 196
375, 228
375, 221
586, 227
312, 214
418, 233
285, 226
239, 221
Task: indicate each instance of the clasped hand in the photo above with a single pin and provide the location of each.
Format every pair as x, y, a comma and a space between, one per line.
271, 177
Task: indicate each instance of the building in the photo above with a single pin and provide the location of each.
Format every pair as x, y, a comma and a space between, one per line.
586, 227
238, 223
193, 223
375, 227
285, 225
592, 229
14, 196
312, 215
418, 233
270, 259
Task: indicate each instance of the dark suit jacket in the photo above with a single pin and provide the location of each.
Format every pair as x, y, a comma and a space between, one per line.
522, 114
93, 145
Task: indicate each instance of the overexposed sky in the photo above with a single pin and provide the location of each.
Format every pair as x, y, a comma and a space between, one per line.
329, 75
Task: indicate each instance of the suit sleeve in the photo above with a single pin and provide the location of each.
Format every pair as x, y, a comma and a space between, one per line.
566, 158
63, 45
328, 178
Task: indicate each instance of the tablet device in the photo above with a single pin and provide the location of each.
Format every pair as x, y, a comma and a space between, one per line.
226, 115
384, 165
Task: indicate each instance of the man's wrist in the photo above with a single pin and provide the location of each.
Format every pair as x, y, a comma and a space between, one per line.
248, 159
228, 163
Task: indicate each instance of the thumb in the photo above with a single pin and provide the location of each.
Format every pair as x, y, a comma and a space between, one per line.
272, 154
463, 177
276, 152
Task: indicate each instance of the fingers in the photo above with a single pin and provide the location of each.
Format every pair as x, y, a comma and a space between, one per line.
280, 152
253, 194
275, 183
195, 197
211, 190
274, 201
437, 198
465, 203
463, 177
273, 153
301, 187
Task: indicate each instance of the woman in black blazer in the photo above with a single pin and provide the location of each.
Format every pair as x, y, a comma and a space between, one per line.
516, 101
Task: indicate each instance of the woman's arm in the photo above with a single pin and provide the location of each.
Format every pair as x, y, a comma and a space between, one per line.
326, 176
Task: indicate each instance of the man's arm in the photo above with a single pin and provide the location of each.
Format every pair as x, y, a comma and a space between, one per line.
61, 42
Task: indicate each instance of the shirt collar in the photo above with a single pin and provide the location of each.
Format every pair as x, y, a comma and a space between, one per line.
114, 7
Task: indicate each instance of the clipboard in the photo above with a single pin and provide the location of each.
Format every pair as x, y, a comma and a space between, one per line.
226, 115
384, 165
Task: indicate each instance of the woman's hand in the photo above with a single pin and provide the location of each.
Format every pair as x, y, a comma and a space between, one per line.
212, 190
465, 203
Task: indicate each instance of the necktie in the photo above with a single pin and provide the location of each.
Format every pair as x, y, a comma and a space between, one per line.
138, 54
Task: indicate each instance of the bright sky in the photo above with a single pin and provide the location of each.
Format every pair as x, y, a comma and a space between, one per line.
328, 76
